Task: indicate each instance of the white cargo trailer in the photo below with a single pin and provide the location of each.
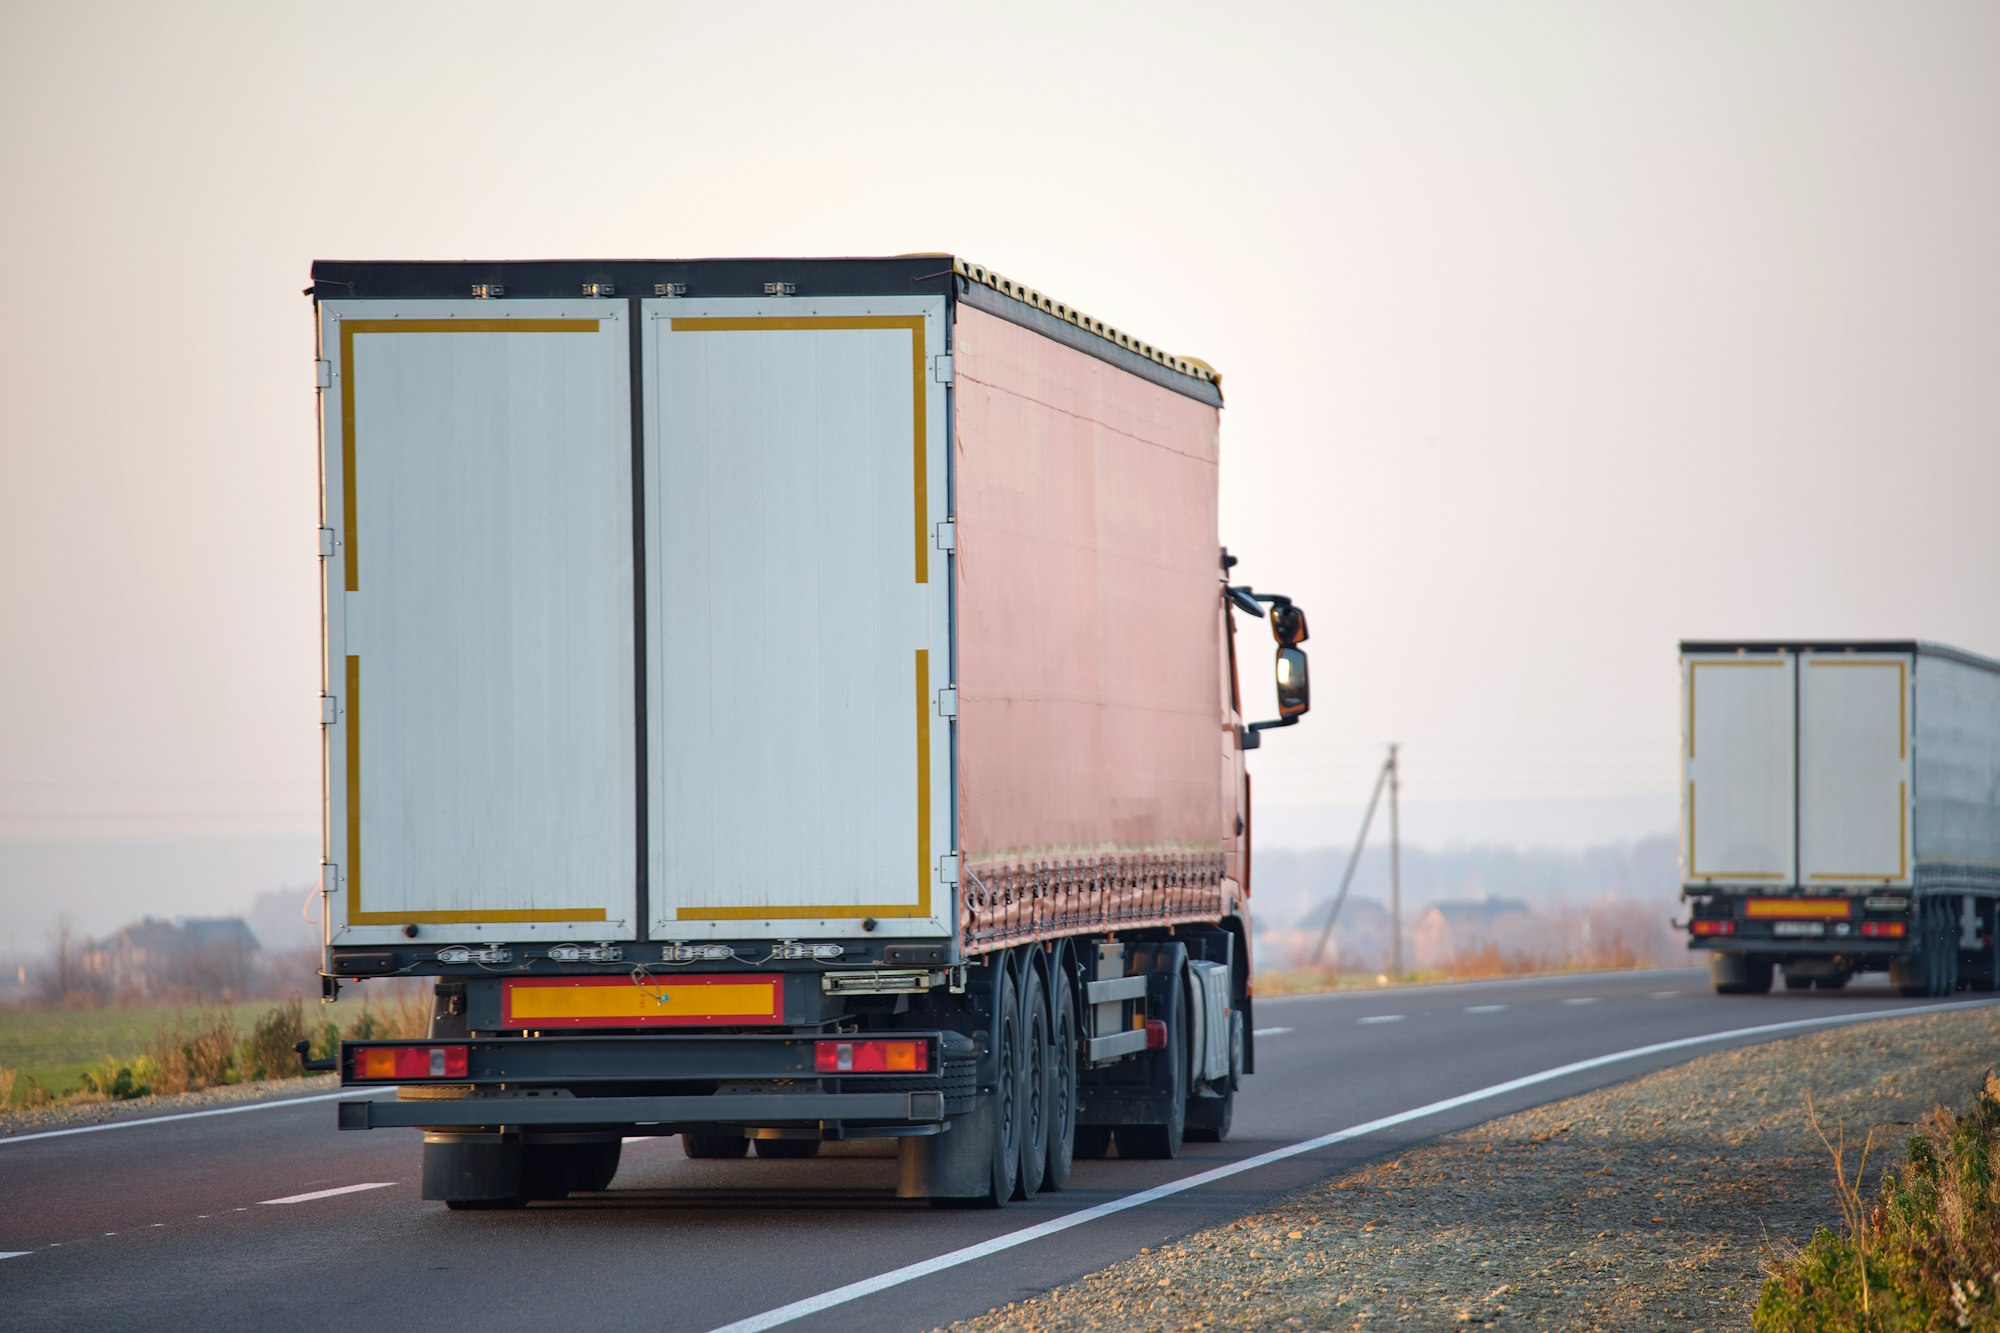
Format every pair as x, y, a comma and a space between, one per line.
778, 701
1841, 813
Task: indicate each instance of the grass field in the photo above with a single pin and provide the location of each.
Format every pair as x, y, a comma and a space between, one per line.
53, 1049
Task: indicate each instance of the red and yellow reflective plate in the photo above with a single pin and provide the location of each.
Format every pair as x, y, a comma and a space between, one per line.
1812, 909
619, 1002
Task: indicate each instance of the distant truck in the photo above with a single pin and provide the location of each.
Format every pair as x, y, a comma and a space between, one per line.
780, 701
1841, 813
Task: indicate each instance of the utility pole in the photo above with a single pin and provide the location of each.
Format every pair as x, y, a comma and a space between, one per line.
1395, 872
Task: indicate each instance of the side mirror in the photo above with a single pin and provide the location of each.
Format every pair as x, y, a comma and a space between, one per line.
1288, 627
1294, 690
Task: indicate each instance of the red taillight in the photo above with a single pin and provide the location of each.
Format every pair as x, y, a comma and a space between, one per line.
403, 1063
1882, 930
1156, 1034
872, 1057
1715, 927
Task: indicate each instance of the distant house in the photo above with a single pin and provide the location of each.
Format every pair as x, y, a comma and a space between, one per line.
1448, 930
185, 958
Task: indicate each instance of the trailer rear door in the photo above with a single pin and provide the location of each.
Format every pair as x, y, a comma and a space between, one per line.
1854, 768
1737, 823
799, 748
478, 581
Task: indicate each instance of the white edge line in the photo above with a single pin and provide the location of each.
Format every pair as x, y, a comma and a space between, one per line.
1269, 1032
811, 1305
186, 1115
14, 1254
328, 1194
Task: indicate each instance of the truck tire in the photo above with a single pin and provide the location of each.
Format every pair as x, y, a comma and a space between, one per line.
1036, 1057
1062, 1087
1797, 983
591, 1166
701, 1144
1932, 971
977, 1162
476, 1174
787, 1150
1738, 974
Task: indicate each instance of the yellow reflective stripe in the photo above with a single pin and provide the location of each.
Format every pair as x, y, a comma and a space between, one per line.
348, 328
355, 916
920, 458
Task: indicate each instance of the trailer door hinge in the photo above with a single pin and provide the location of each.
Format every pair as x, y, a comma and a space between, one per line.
329, 877
322, 374
948, 868
326, 543
947, 536
941, 368
329, 710
947, 702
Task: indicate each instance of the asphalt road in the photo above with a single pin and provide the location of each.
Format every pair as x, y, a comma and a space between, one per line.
272, 1218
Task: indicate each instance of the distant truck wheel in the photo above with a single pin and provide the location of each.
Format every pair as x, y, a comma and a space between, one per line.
1737, 974
1797, 983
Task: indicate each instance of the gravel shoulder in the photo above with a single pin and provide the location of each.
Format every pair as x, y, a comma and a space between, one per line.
1652, 1204
69, 1115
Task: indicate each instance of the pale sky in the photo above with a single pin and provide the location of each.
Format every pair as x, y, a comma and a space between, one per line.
1551, 333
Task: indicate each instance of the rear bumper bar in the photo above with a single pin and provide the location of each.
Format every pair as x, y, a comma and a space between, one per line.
725, 1108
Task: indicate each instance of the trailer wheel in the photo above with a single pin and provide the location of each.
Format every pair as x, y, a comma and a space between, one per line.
1035, 1062
480, 1173
977, 1162
591, 1166
787, 1149
1797, 983
1062, 1088
1739, 974
1932, 971
700, 1144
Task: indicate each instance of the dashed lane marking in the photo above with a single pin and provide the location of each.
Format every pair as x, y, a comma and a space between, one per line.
14, 1254
1663, 995
1269, 1032
1381, 1018
1484, 1008
1581, 999
896, 1277
328, 1194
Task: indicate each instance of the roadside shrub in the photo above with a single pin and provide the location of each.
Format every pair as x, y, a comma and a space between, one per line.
118, 1080
1923, 1254
7, 1081
190, 1058
270, 1049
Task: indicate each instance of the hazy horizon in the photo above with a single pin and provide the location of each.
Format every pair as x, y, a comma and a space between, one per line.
1551, 334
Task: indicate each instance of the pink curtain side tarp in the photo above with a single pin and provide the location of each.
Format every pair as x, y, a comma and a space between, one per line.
1090, 696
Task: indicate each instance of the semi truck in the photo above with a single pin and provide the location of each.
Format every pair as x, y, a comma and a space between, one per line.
777, 701
1841, 813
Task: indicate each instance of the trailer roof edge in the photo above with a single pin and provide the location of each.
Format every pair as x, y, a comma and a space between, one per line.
1921, 647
